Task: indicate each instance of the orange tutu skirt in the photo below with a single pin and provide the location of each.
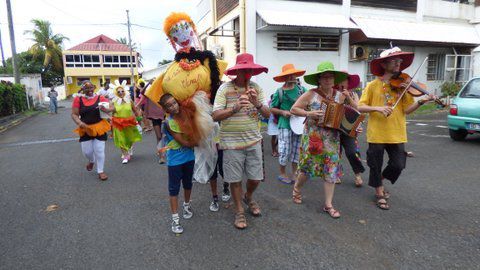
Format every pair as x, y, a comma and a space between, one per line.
94, 130
121, 123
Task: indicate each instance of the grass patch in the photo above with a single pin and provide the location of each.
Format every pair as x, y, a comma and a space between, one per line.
427, 108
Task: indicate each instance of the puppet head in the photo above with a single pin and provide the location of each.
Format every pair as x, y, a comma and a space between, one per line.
120, 87
181, 31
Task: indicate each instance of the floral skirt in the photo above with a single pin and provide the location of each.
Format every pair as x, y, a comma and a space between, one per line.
320, 154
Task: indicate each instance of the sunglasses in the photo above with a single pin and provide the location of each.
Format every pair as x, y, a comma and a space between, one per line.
120, 92
395, 61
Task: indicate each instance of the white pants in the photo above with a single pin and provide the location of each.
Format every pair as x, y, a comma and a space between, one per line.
94, 151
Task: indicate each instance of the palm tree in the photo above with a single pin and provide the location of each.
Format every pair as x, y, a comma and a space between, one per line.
124, 41
47, 44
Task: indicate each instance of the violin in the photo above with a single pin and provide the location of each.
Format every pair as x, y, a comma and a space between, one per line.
415, 89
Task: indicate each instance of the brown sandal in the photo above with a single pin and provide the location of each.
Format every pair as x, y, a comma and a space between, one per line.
253, 207
296, 196
240, 221
332, 212
90, 166
382, 204
102, 176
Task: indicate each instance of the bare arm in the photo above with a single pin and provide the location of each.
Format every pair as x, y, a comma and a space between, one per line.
419, 103
76, 118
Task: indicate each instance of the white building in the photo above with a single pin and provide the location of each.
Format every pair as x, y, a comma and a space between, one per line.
32, 83
348, 33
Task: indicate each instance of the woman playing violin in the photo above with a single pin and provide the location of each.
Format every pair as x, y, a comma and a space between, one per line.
387, 129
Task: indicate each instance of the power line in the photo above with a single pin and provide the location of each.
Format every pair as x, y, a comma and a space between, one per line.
145, 26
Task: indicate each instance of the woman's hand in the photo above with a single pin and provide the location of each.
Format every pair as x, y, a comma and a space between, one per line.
286, 114
103, 109
82, 125
316, 115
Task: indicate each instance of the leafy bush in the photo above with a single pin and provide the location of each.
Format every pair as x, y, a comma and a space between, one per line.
12, 98
450, 88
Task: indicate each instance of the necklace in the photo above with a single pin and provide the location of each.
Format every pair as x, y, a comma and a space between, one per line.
390, 97
187, 65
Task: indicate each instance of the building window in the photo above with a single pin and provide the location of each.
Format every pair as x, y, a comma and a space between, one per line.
121, 79
436, 67
303, 42
457, 68
116, 61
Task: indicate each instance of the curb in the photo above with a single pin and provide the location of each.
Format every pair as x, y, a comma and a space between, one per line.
17, 121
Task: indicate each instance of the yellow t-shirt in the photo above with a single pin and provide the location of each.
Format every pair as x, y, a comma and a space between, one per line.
381, 129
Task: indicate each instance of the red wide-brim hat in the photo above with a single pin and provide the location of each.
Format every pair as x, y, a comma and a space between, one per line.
353, 81
245, 61
395, 52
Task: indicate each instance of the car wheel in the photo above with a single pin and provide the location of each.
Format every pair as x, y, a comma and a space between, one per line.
458, 135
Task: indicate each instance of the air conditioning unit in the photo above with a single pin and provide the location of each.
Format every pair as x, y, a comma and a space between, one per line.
358, 53
218, 51
69, 80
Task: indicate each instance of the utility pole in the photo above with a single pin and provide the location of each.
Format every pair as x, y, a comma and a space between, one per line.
131, 51
1, 49
16, 74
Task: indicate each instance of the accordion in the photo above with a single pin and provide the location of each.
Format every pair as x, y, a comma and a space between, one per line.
341, 117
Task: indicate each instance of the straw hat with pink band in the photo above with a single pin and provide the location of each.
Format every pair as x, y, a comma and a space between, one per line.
394, 53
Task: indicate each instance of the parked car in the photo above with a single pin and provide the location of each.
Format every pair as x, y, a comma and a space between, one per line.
464, 116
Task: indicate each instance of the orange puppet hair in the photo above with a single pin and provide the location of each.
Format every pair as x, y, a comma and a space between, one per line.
185, 119
173, 19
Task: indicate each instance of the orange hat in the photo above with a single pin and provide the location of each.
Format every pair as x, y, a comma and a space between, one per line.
288, 69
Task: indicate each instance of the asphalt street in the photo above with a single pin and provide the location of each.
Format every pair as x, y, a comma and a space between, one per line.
124, 223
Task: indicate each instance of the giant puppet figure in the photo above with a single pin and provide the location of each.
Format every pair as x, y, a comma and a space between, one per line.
193, 78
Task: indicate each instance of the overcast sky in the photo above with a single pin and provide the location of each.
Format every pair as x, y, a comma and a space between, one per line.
85, 19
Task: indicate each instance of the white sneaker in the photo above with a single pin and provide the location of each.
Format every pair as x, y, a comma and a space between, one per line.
187, 210
125, 161
214, 206
176, 227
226, 196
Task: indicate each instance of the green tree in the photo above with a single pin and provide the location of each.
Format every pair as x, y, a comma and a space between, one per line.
124, 41
164, 61
47, 44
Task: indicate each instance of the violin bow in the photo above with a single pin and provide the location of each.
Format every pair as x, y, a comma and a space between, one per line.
409, 84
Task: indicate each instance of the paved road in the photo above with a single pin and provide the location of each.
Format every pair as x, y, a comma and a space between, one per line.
124, 223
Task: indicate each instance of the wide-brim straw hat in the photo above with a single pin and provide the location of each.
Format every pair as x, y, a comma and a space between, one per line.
245, 61
287, 70
395, 52
323, 67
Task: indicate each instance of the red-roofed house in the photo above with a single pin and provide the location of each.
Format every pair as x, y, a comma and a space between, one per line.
100, 59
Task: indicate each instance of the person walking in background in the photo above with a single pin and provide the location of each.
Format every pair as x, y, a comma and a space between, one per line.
282, 102
350, 144
124, 123
53, 95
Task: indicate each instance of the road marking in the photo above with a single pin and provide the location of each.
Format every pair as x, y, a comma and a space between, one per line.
428, 121
421, 124
439, 126
434, 136
38, 142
